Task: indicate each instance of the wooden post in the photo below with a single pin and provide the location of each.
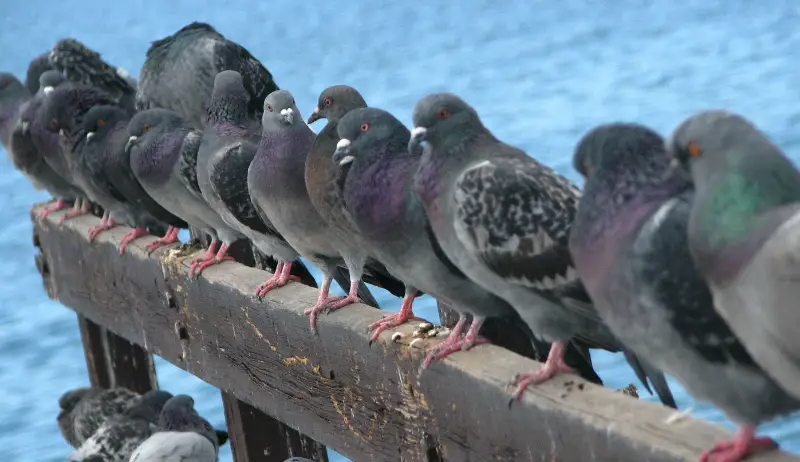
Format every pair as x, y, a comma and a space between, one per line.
255, 436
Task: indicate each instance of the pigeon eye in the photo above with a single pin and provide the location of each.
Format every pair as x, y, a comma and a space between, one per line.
694, 150
145, 129
54, 123
327, 101
269, 107
443, 114
364, 127
101, 122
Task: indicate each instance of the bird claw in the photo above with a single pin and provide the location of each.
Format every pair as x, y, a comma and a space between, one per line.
273, 283
129, 237
334, 303
59, 205
158, 243
545, 373
72, 214
389, 321
202, 263
736, 449
451, 345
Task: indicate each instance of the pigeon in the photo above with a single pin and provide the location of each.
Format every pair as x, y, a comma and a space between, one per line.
117, 438
182, 436
277, 186
180, 69
84, 410
377, 184
321, 182
504, 220
629, 242
106, 139
30, 140
80, 64
38, 66
63, 112
742, 233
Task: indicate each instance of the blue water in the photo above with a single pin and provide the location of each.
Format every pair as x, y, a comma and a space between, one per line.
540, 74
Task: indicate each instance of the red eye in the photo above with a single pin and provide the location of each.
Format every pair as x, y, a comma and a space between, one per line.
327, 101
269, 107
443, 114
145, 129
54, 123
364, 127
101, 122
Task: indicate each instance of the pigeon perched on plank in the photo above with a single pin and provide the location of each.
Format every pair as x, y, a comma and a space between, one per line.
504, 220
378, 189
81, 64
276, 181
182, 436
117, 438
321, 182
179, 72
84, 410
742, 234
629, 242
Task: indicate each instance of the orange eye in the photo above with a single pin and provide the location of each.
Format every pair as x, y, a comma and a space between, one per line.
145, 129
269, 107
327, 101
364, 127
443, 114
694, 149
101, 122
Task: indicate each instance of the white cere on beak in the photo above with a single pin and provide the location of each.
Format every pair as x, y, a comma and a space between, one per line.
316, 110
417, 131
346, 160
343, 143
48, 89
61, 132
89, 136
288, 115
123, 73
25, 126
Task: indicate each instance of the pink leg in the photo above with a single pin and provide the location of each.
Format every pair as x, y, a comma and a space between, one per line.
212, 250
334, 303
456, 341
552, 366
170, 237
129, 237
81, 207
281, 277
106, 223
218, 258
60, 204
395, 319
321, 303
743, 444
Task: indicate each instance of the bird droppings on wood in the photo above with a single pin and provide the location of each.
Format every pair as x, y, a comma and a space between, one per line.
397, 336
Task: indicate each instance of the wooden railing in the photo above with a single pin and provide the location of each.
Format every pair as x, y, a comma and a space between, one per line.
287, 392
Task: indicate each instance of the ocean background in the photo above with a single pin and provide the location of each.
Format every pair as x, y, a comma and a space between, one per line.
540, 74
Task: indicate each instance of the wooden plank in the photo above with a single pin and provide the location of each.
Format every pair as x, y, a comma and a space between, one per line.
367, 403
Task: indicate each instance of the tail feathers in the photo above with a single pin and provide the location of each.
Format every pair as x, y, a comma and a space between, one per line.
650, 375
342, 277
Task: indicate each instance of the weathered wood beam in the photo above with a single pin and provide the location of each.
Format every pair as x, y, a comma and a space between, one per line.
367, 403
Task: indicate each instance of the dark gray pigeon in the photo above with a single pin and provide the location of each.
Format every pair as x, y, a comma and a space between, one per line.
38, 66
81, 64
117, 438
321, 178
276, 181
106, 154
630, 247
377, 180
504, 220
179, 73
743, 234
31, 141
84, 410
182, 436
63, 112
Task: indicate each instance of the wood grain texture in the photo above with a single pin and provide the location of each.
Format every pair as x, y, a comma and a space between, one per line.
365, 402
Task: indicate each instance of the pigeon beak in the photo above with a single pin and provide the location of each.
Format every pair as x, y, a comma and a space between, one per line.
89, 136
287, 115
418, 135
25, 126
341, 155
62, 133
315, 116
48, 89
131, 143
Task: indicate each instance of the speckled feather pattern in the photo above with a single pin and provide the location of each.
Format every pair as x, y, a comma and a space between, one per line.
82, 415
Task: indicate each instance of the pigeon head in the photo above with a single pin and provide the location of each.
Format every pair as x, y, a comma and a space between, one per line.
439, 115
149, 405
362, 130
336, 101
280, 110
143, 124
229, 99
70, 399
621, 147
39, 65
66, 105
99, 120
179, 415
49, 80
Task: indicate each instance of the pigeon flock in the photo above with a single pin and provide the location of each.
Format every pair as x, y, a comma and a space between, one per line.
679, 252
119, 425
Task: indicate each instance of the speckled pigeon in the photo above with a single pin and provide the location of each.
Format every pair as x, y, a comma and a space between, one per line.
504, 220
117, 438
84, 410
630, 247
182, 436
179, 73
378, 188
743, 234
277, 187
